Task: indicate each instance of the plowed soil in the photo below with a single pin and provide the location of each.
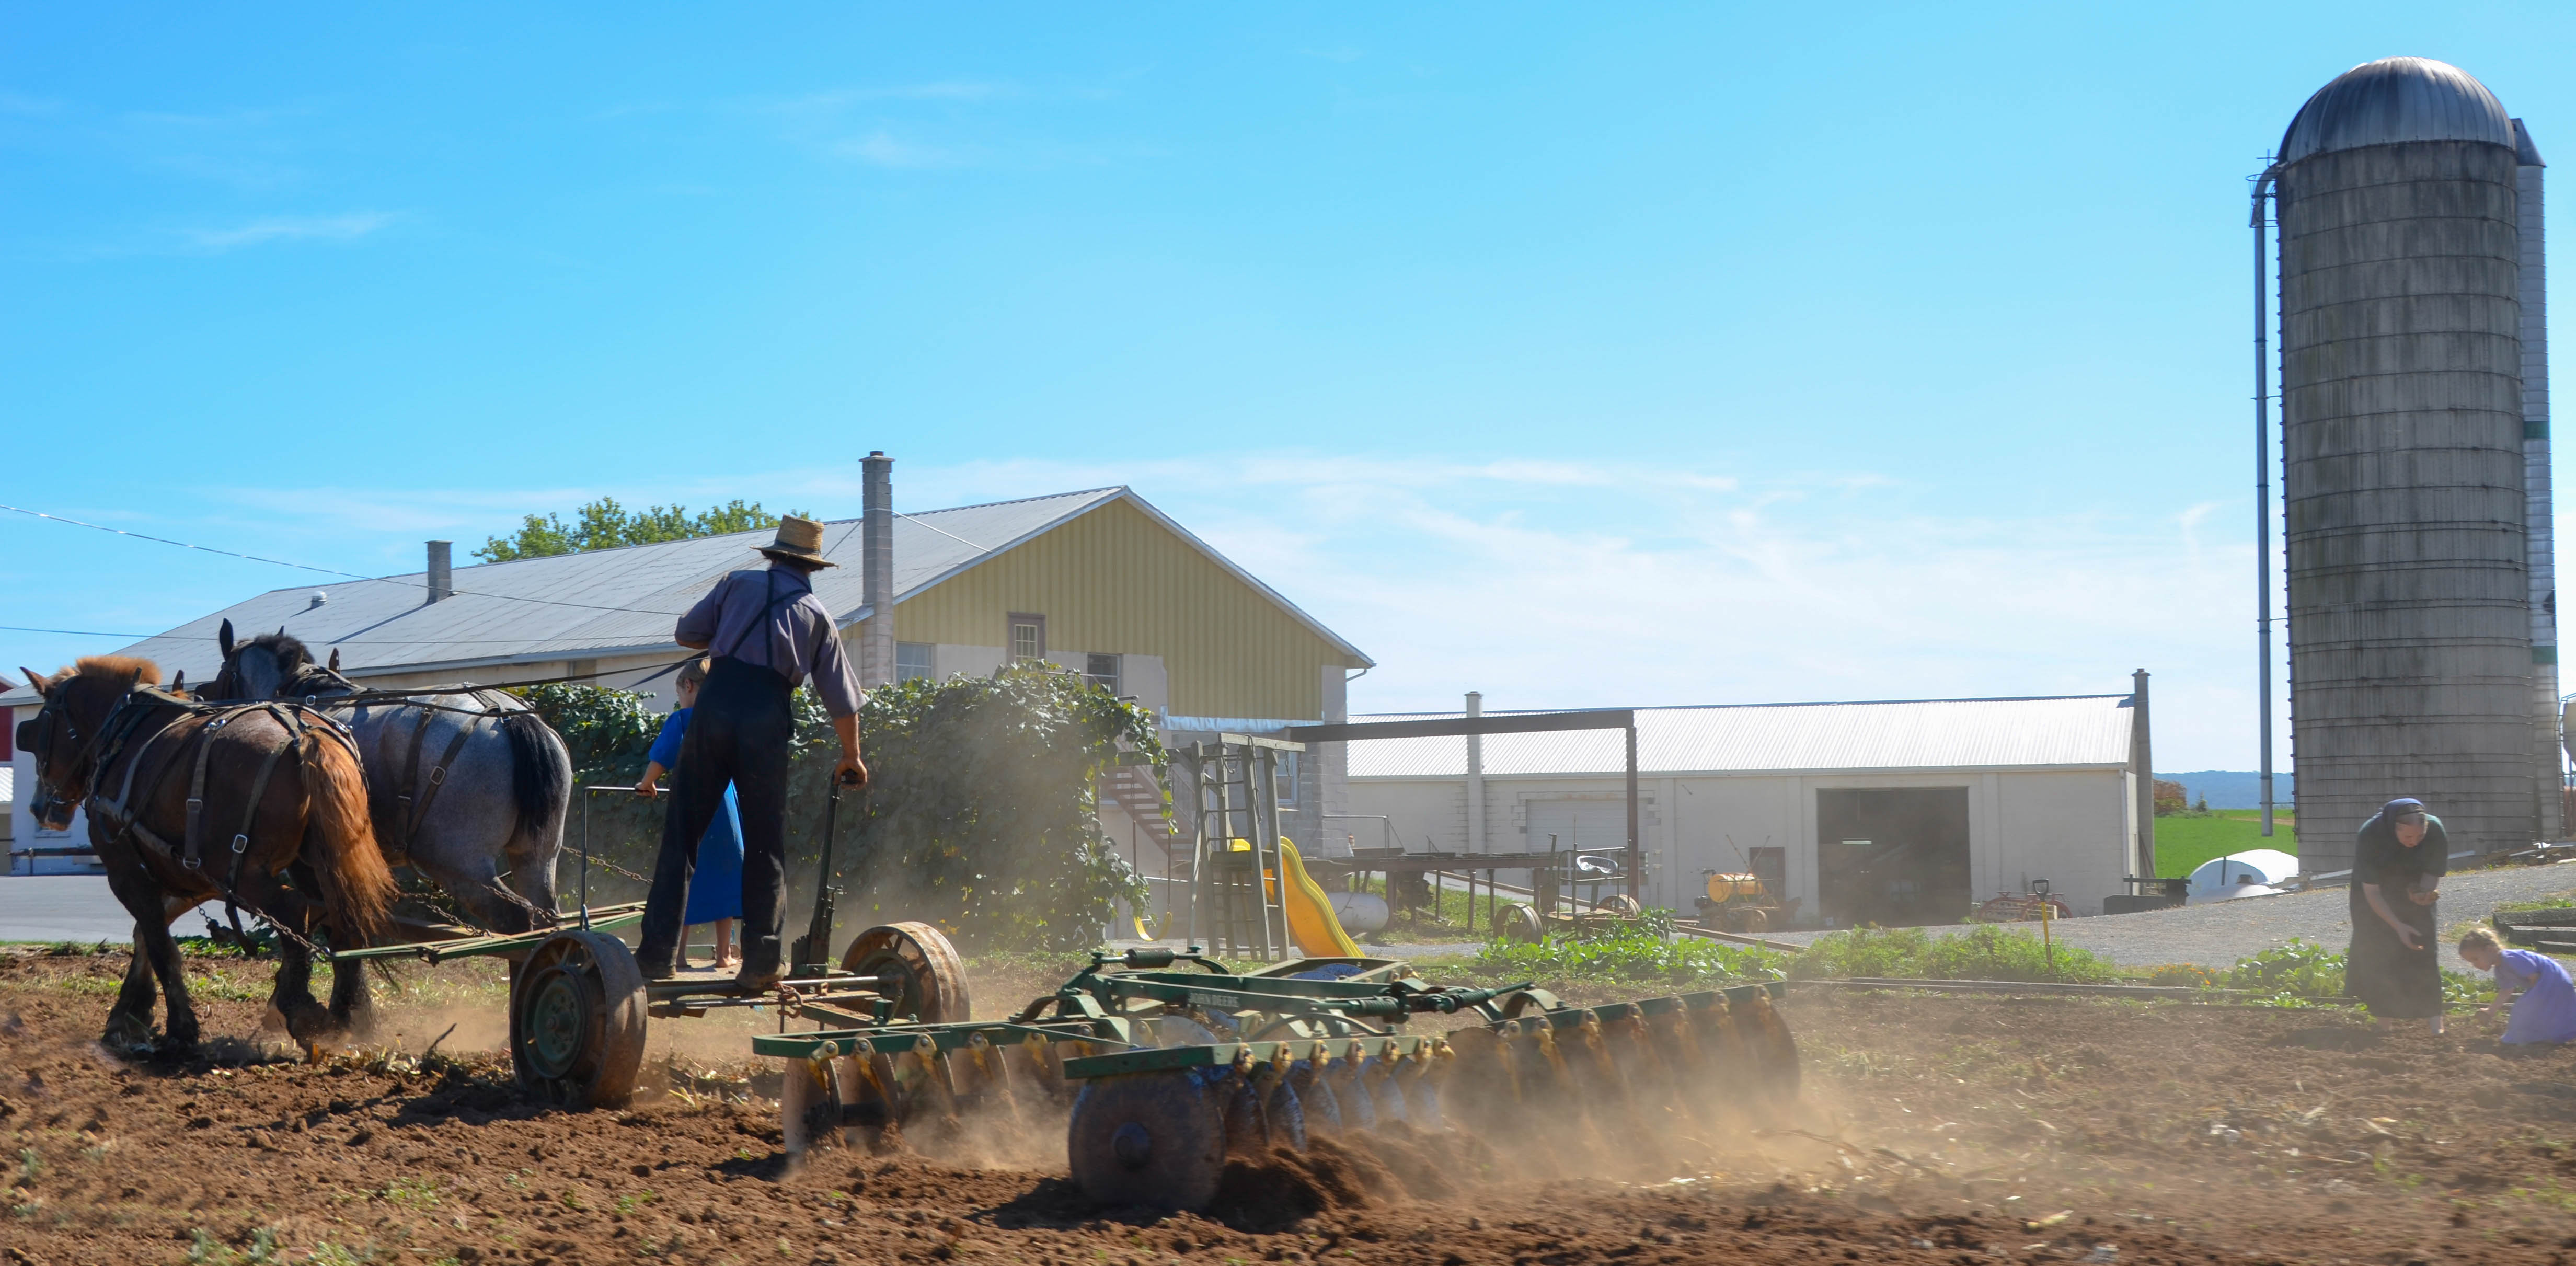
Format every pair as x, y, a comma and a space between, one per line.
1932, 1129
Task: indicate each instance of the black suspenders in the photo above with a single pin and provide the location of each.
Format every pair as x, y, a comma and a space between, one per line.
768, 613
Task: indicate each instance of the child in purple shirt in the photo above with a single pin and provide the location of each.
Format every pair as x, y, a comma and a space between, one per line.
2544, 1001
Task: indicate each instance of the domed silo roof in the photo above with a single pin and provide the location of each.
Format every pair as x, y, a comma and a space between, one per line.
2397, 99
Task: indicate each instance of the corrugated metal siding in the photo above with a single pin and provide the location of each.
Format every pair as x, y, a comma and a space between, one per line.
1115, 581
2082, 731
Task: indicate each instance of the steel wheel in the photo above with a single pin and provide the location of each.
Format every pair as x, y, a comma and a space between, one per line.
1150, 1139
1520, 923
1621, 905
577, 1020
920, 970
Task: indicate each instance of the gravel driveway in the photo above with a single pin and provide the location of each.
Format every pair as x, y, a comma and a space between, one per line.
2218, 935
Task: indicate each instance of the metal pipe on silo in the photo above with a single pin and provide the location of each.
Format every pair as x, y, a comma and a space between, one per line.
2402, 450
2262, 490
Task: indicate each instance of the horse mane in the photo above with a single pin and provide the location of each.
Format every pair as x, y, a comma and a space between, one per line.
133, 668
289, 649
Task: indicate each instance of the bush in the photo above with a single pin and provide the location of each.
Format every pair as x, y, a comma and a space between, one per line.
1986, 953
982, 817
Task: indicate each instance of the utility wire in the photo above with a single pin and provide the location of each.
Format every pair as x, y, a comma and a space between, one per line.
327, 571
12, 628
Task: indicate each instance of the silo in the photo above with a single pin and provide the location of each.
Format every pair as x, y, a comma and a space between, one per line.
2410, 603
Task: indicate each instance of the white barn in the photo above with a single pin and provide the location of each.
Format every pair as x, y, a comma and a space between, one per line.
1898, 812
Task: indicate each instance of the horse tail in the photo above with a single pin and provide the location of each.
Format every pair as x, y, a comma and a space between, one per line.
341, 841
540, 776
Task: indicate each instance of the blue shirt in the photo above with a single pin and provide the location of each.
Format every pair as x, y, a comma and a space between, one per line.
772, 618
666, 745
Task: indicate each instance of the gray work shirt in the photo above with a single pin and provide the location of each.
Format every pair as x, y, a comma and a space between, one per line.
771, 618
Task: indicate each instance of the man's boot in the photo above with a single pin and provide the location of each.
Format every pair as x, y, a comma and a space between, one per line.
760, 965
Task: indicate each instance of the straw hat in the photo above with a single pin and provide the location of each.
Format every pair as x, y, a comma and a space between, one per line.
800, 539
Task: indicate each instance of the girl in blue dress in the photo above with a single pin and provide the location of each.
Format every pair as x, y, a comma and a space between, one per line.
2544, 1000
715, 880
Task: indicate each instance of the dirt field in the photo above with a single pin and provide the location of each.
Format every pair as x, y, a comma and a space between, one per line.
1935, 1129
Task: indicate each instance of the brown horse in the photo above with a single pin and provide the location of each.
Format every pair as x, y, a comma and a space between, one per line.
189, 802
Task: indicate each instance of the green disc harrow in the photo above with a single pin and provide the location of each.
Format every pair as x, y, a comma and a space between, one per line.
1171, 1063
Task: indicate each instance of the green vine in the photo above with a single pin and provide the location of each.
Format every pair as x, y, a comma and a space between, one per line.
982, 816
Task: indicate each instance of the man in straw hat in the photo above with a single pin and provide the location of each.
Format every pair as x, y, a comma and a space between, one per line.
768, 632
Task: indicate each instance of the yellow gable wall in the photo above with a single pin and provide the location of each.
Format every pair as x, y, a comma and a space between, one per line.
1114, 581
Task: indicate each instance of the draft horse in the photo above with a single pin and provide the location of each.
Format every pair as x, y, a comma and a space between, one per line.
261, 805
468, 787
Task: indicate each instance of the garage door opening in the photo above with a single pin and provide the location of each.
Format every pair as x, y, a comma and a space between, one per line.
1893, 856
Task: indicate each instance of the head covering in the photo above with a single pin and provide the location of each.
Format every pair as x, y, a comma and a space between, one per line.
800, 539
2401, 808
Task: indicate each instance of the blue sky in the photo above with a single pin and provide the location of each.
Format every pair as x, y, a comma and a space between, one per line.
1580, 354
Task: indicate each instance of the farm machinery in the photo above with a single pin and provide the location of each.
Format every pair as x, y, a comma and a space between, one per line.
1169, 1063
1737, 902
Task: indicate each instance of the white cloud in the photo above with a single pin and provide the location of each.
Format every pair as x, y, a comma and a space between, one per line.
326, 228
880, 148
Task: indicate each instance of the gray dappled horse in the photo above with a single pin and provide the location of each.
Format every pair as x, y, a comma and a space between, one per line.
470, 790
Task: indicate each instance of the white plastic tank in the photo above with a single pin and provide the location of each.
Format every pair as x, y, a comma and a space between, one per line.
2256, 872
1360, 912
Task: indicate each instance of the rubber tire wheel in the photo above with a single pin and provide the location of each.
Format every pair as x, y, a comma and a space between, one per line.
929, 977
1151, 1139
577, 1021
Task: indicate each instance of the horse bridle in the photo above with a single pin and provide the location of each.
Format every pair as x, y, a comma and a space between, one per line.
54, 716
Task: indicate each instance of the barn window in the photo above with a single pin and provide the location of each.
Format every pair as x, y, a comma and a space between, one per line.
911, 659
1101, 671
1028, 637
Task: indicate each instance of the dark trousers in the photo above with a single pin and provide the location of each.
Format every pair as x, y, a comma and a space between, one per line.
738, 734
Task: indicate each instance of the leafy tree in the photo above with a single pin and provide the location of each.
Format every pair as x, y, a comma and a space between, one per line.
604, 524
982, 818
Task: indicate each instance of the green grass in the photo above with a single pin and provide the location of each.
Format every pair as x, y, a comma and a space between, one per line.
2183, 843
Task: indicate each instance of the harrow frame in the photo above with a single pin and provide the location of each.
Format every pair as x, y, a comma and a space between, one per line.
1205, 1058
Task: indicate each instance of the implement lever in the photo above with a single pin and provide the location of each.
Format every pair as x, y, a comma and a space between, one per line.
812, 953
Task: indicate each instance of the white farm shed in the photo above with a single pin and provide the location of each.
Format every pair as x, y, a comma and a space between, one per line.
1890, 813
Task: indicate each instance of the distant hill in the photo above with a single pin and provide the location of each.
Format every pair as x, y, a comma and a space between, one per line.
2233, 789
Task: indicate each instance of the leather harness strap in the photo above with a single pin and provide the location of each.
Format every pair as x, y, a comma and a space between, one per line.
119, 815
409, 812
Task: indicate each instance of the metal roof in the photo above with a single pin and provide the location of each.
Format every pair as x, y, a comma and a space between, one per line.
2397, 99
2072, 732
618, 601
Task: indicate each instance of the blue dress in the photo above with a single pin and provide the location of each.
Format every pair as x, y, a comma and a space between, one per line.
2546, 1011
715, 886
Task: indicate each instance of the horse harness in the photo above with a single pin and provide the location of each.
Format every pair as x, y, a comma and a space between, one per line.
411, 800
118, 814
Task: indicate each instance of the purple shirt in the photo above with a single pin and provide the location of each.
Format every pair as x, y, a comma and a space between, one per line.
772, 618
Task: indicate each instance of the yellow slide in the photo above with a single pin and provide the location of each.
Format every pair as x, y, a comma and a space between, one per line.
1310, 912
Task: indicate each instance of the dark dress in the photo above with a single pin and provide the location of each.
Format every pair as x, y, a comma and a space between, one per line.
2392, 980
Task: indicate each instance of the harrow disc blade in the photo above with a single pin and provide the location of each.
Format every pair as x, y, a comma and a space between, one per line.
1151, 1139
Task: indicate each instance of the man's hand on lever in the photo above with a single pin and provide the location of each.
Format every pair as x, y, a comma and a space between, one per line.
851, 771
